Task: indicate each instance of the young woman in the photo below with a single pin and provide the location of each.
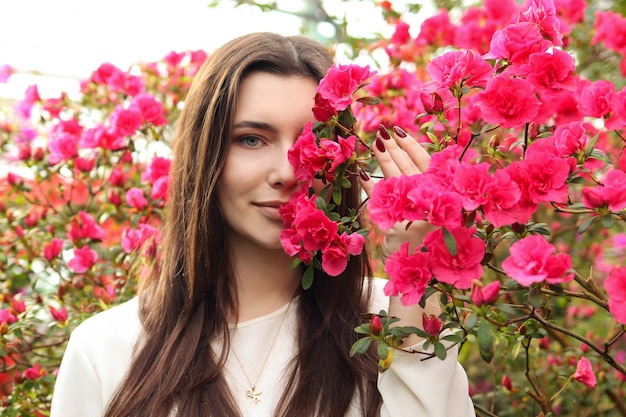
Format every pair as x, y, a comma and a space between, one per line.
223, 327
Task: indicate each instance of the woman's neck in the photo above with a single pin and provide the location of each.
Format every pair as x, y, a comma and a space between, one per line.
265, 281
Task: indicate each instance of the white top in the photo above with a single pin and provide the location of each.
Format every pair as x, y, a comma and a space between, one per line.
100, 349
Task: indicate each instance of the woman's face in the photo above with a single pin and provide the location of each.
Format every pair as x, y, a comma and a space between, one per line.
257, 178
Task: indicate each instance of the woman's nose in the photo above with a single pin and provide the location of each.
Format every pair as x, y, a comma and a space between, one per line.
282, 173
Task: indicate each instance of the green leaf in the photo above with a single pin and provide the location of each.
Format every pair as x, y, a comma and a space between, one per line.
337, 196
586, 225
471, 321
440, 351
485, 341
448, 238
307, 277
383, 351
361, 346
369, 100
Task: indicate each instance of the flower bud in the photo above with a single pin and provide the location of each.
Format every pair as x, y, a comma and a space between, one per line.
476, 293
384, 364
432, 324
506, 383
491, 292
376, 326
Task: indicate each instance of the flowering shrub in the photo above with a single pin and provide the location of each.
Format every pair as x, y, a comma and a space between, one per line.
522, 107
81, 203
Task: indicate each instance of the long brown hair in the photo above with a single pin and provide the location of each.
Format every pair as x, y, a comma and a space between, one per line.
186, 302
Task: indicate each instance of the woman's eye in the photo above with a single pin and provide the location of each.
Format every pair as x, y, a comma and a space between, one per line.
250, 141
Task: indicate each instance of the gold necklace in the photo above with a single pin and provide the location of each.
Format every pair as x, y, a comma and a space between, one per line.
252, 394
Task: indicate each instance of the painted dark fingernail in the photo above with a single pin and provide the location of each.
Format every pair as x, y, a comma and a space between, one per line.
364, 175
398, 131
380, 145
383, 132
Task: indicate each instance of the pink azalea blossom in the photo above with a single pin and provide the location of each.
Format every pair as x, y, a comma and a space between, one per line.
150, 108
460, 67
34, 372
126, 122
437, 30
532, 259
570, 138
464, 266
516, 42
612, 194
335, 256
480, 295
550, 73
595, 98
5, 72
134, 239
102, 136
59, 315
615, 285
610, 29
408, 273
52, 249
341, 82
584, 373
136, 199
390, 204
84, 258
157, 168
62, 147
6, 316
83, 226
109, 75
509, 102
160, 188
543, 14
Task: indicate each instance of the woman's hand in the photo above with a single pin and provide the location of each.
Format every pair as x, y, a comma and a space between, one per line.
401, 154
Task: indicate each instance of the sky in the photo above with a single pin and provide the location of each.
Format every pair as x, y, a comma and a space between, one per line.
63, 41
68, 39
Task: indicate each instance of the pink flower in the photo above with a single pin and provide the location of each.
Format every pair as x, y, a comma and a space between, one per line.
390, 203
323, 109
341, 82
305, 156
315, 229
134, 239
550, 73
126, 122
516, 42
460, 67
544, 174
84, 258
437, 30
615, 285
52, 249
480, 295
500, 208
335, 256
612, 194
376, 325
84, 165
158, 167
611, 30
136, 199
570, 138
5, 72
110, 75
584, 373
408, 275
101, 136
160, 188
59, 315
6, 316
84, 227
595, 98
509, 102
150, 108
543, 14
62, 147
533, 260
432, 324
34, 372
461, 268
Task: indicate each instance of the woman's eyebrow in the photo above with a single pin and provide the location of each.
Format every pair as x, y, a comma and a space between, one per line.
256, 125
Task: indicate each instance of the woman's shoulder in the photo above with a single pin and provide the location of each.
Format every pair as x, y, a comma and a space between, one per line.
119, 323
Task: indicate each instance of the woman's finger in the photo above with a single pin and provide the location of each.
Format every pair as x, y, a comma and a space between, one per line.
415, 151
400, 154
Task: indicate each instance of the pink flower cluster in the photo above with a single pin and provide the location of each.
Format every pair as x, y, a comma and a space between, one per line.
615, 285
320, 160
308, 231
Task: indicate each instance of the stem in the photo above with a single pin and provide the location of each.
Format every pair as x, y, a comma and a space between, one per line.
584, 295
607, 357
569, 380
484, 411
619, 404
571, 211
538, 396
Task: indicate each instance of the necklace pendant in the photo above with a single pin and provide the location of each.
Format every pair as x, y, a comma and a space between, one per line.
253, 395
